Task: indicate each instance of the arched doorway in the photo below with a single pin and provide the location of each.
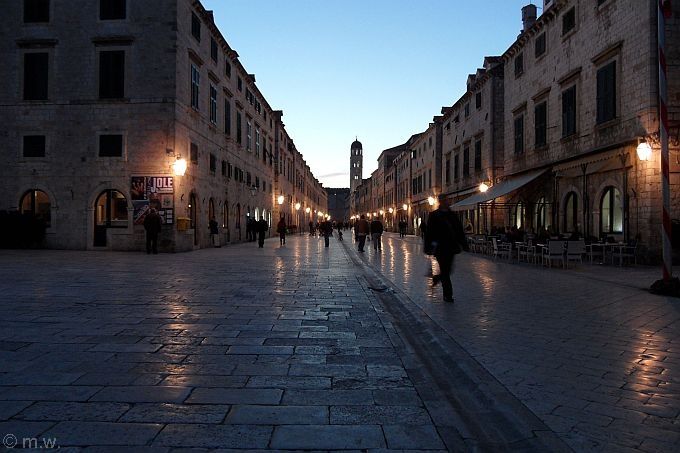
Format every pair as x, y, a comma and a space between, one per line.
571, 213
611, 211
225, 219
36, 203
110, 211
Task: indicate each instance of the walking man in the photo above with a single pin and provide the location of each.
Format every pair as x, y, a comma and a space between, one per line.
361, 229
261, 226
444, 238
281, 229
214, 232
376, 234
152, 225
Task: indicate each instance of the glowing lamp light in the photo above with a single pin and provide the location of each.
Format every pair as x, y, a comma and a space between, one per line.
382, 212
390, 210
180, 166
308, 210
430, 201
297, 206
281, 198
483, 187
404, 207
644, 151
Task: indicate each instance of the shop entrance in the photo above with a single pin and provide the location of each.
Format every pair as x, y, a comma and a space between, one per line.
110, 211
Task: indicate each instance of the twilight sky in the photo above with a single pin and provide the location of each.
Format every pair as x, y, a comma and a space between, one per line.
375, 69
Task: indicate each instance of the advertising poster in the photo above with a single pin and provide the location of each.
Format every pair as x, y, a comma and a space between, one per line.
152, 192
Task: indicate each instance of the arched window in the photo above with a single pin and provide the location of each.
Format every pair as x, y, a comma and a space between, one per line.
540, 215
238, 216
111, 209
571, 213
211, 209
192, 209
611, 209
257, 214
518, 215
37, 203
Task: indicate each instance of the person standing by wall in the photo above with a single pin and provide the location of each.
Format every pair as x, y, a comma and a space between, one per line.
281, 229
444, 238
214, 232
361, 229
376, 234
152, 225
261, 226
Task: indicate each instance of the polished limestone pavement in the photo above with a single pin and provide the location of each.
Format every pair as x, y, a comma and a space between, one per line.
306, 348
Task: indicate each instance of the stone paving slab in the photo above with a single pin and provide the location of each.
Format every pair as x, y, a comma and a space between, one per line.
328, 437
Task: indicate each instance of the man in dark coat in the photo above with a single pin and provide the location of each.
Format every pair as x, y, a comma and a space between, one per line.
261, 226
444, 238
152, 225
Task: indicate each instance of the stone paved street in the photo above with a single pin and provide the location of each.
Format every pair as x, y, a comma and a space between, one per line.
302, 347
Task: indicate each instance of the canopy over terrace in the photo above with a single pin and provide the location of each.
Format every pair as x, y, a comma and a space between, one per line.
498, 190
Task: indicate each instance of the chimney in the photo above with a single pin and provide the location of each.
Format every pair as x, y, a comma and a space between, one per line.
528, 17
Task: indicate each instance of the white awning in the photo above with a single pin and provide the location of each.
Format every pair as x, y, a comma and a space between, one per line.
497, 190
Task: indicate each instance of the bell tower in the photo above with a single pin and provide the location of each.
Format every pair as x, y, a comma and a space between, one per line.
355, 165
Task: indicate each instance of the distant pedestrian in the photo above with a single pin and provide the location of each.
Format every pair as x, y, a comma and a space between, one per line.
249, 229
376, 234
262, 226
402, 228
444, 238
311, 228
361, 229
327, 231
152, 225
281, 229
214, 232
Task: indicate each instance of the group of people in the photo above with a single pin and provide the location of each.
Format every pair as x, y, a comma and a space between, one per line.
362, 228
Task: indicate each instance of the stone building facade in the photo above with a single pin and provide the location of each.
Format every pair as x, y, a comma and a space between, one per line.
102, 98
552, 126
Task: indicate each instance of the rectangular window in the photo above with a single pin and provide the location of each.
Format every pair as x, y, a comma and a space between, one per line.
467, 110
239, 84
230, 170
193, 153
213, 163
248, 180
195, 85
36, 11
34, 146
539, 45
519, 65
213, 49
257, 182
447, 172
35, 76
569, 21
213, 104
478, 156
112, 9
466, 161
257, 141
455, 167
195, 27
224, 168
540, 124
519, 134
478, 100
110, 146
227, 68
429, 177
227, 117
249, 134
569, 111
112, 74
238, 128
606, 93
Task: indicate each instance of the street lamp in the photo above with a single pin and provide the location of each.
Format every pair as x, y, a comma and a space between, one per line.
180, 166
644, 151
430, 201
483, 187
281, 199
390, 210
404, 207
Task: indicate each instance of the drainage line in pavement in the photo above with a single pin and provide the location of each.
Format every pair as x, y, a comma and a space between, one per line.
470, 408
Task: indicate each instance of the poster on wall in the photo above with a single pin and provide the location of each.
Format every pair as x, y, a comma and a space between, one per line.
152, 192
